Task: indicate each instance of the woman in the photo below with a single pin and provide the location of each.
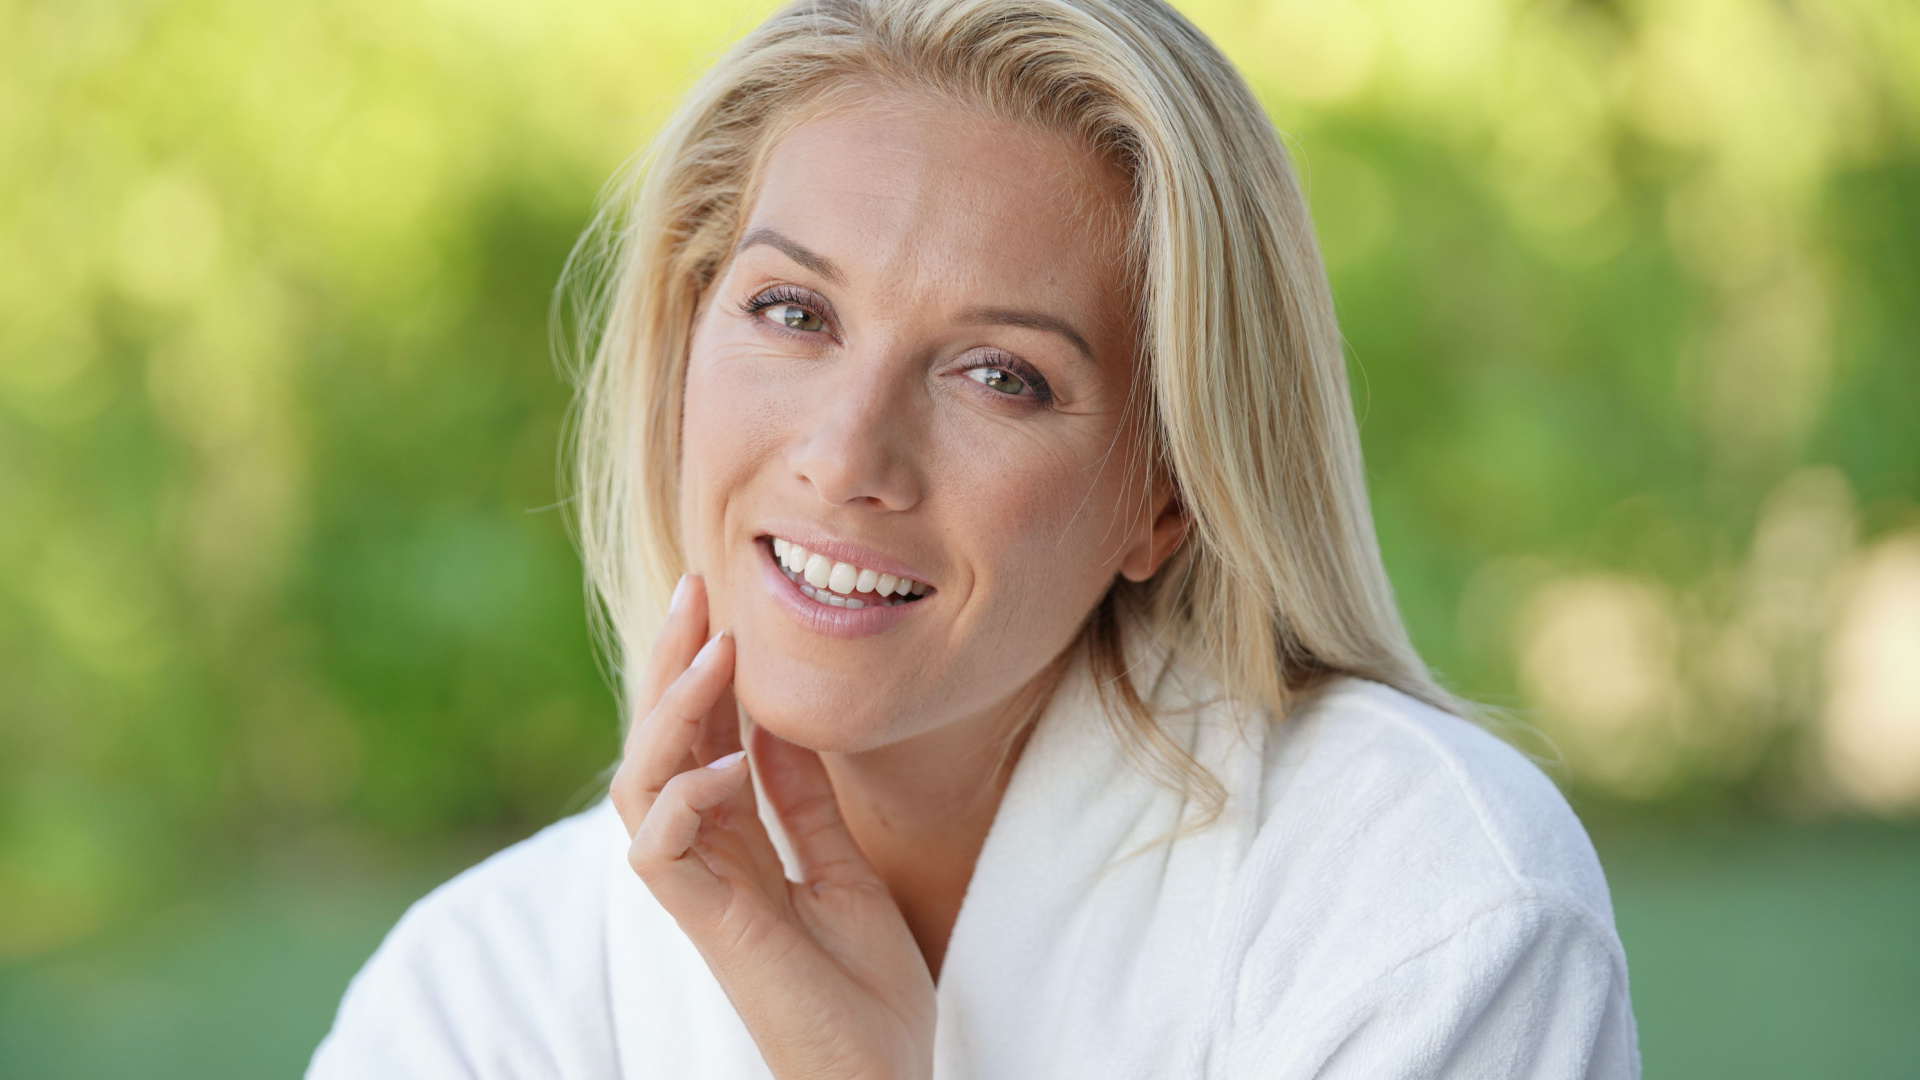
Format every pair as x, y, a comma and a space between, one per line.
970, 382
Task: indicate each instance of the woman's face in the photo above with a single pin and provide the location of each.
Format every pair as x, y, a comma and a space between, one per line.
914, 369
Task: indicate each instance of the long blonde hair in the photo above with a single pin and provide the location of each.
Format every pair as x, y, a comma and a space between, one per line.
1244, 392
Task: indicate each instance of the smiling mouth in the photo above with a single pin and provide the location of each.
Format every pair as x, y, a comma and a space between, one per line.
843, 585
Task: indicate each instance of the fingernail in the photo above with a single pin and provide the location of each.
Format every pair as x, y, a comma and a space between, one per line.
727, 762
679, 594
705, 655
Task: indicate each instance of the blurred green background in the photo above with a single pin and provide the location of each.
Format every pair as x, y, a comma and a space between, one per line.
290, 627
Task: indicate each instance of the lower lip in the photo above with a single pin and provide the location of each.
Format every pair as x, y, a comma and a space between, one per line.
825, 619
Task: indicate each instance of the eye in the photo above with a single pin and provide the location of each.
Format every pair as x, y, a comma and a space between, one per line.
999, 378
794, 317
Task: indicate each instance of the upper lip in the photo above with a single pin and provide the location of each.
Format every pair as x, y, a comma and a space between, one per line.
844, 551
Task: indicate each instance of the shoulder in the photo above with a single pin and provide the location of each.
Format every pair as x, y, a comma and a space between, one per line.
1417, 887
498, 972
1370, 782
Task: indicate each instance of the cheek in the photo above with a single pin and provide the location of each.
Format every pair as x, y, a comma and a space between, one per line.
731, 429
1041, 517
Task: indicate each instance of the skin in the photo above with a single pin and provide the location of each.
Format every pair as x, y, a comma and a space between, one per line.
923, 348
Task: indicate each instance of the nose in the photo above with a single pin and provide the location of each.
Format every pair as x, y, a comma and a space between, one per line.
858, 447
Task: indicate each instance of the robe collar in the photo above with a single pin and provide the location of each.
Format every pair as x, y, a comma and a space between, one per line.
1089, 937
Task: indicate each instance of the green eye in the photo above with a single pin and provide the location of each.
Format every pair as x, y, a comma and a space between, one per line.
1000, 379
795, 317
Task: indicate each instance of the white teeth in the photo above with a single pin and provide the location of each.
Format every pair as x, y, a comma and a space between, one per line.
818, 569
843, 578
830, 582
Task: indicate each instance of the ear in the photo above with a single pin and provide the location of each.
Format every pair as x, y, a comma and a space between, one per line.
1149, 551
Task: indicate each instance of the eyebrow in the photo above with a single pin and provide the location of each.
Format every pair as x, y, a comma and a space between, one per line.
1031, 320
792, 249
1026, 318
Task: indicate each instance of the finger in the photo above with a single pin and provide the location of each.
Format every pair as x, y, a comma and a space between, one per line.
719, 736
660, 747
662, 849
799, 791
720, 730
680, 639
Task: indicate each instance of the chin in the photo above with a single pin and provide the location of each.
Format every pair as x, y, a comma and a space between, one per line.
824, 710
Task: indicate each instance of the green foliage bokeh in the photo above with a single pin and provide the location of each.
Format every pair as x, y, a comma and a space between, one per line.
279, 543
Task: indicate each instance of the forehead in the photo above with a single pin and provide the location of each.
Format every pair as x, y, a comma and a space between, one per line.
925, 192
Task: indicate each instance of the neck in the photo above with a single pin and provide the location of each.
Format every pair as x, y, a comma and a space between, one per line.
920, 808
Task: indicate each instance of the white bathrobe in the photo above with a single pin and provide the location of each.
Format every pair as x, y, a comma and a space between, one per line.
1390, 892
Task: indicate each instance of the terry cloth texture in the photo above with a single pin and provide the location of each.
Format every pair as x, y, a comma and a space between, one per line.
1389, 892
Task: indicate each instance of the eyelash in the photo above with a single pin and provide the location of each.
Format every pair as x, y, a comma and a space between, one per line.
784, 294
778, 295
1019, 369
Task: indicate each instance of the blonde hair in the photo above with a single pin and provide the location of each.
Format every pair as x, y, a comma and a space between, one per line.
1244, 393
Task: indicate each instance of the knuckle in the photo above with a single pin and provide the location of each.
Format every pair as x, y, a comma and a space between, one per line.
646, 855
674, 791
644, 865
630, 800
682, 788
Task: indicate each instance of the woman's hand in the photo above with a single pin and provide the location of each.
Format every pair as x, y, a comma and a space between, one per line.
823, 970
